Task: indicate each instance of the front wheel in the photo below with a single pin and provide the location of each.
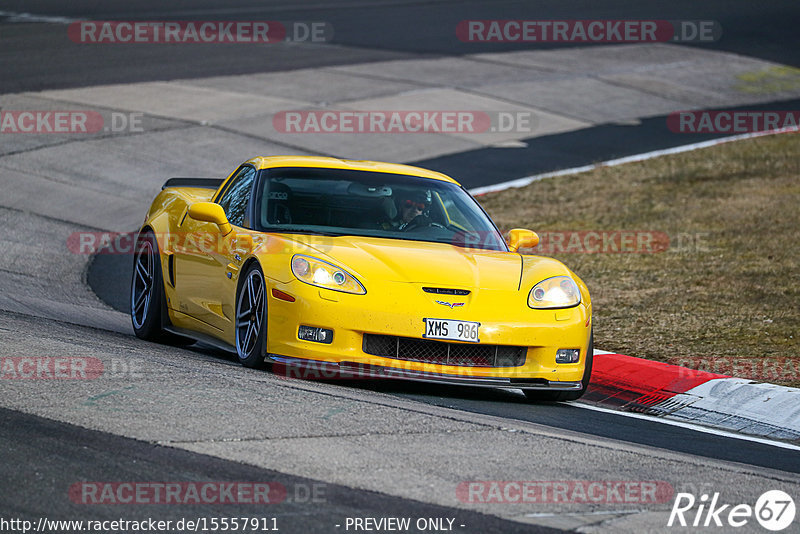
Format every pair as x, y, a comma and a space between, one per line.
147, 289
251, 318
555, 396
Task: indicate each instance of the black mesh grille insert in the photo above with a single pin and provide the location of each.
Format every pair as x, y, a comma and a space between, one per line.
444, 353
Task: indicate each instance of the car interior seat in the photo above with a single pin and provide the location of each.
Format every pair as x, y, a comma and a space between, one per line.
275, 206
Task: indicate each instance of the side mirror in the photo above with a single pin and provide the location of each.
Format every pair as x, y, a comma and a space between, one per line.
210, 212
520, 238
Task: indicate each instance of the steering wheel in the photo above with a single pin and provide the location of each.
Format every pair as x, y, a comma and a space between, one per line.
418, 222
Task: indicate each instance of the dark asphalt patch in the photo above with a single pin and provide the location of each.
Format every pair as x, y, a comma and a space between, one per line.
489, 166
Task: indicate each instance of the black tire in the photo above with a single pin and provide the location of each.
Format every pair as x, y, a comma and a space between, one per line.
251, 318
147, 289
557, 396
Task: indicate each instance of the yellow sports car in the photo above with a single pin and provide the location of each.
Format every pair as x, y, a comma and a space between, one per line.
359, 268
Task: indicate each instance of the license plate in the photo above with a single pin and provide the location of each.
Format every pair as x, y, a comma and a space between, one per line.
449, 329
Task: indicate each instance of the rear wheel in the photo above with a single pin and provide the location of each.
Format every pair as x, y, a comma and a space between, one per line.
555, 396
251, 318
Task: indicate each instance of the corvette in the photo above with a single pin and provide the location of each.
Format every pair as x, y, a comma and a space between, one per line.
360, 268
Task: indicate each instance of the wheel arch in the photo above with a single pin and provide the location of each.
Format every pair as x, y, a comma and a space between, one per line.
245, 267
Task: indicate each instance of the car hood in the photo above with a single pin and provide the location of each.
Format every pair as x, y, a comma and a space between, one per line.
435, 264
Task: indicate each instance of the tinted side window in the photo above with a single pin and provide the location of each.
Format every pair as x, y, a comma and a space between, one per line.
236, 196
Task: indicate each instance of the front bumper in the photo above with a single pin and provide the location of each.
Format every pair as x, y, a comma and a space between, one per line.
395, 309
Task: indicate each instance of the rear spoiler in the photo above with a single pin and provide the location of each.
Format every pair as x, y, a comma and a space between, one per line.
205, 183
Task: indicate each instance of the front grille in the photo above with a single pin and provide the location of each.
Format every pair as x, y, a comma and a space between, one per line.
442, 352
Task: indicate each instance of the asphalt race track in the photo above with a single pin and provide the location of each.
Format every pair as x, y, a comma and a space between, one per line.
193, 415
367, 30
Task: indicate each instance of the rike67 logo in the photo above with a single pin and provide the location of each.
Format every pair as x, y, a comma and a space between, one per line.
774, 510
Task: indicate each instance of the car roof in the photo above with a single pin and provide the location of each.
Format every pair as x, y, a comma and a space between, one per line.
336, 163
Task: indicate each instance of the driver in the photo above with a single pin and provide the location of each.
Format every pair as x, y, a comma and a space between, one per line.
411, 210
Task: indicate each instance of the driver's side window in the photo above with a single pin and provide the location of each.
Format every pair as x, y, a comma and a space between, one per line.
237, 196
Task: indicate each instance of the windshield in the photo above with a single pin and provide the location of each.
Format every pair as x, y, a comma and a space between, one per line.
371, 204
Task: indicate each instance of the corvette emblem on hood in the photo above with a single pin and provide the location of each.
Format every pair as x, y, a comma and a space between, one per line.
450, 305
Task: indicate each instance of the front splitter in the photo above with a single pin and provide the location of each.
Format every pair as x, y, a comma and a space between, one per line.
311, 369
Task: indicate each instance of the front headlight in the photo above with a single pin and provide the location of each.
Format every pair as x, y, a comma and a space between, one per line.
323, 274
556, 292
